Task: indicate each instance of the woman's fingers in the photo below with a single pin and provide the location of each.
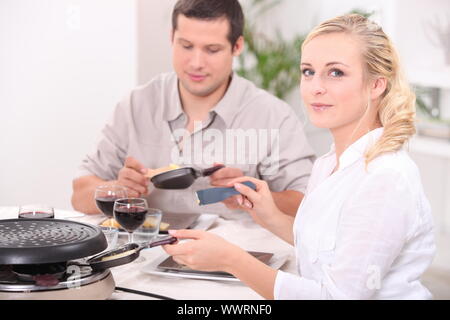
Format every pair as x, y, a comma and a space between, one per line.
252, 195
186, 234
248, 204
183, 248
260, 184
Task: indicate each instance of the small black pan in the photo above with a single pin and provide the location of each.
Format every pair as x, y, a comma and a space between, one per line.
181, 178
125, 254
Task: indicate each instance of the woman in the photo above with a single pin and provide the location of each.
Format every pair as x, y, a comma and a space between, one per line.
364, 229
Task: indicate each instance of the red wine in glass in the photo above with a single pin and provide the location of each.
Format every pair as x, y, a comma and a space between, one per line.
106, 195
106, 205
36, 215
36, 212
130, 218
130, 213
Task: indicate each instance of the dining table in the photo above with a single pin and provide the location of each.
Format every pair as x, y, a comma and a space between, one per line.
142, 275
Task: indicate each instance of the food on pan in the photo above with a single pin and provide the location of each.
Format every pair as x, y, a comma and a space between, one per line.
110, 223
163, 226
147, 224
118, 255
153, 172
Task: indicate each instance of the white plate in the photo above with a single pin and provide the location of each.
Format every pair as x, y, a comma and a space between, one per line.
276, 262
13, 212
203, 222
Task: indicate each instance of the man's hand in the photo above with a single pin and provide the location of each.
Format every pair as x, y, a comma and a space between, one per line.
132, 176
222, 178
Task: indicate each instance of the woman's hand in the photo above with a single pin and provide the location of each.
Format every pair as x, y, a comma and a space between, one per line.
221, 178
206, 251
260, 203
209, 252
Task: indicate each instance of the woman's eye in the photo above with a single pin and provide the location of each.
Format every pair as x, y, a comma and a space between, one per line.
307, 72
187, 47
336, 73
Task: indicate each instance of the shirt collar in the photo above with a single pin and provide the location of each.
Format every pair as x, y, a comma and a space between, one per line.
226, 108
331, 152
359, 148
231, 102
172, 109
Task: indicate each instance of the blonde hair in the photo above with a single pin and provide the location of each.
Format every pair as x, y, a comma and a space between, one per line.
397, 107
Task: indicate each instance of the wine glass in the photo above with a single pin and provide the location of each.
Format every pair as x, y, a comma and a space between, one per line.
36, 212
106, 195
130, 213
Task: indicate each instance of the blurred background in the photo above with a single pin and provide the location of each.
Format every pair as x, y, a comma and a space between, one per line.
65, 64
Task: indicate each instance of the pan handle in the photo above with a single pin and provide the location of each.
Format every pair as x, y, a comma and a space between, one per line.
97, 263
210, 171
162, 242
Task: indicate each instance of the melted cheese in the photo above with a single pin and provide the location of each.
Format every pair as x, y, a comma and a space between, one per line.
119, 255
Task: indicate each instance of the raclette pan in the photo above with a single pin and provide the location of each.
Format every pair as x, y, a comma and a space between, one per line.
124, 254
182, 178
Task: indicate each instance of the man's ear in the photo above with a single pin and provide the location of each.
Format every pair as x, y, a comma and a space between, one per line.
378, 87
238, 46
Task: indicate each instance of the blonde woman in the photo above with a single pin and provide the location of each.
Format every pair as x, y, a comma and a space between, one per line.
364, 229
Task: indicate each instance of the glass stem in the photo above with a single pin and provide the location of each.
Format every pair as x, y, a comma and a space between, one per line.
130, 237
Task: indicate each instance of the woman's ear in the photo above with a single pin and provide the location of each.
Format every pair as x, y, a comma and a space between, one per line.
378, 87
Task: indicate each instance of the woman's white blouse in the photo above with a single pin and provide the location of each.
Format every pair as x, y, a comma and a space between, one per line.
361, 234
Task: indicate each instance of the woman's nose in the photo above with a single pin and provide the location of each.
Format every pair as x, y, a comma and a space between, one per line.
317, 86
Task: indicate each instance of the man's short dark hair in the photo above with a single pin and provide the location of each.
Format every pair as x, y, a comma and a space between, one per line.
211, 10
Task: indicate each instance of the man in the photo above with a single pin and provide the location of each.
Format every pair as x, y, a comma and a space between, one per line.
199, 115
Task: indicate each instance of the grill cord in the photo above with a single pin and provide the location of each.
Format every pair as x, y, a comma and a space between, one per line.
142, 293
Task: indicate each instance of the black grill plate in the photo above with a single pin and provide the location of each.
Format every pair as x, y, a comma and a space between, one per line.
35, 241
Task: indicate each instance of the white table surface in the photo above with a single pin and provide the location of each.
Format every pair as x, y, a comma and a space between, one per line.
243, 232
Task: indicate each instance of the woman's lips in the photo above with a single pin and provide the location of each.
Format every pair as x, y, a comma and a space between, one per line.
321, 106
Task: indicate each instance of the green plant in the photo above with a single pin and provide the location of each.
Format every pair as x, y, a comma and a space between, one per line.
272, 64
363, 12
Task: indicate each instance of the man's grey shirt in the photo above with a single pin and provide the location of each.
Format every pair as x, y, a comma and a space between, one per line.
248, 129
